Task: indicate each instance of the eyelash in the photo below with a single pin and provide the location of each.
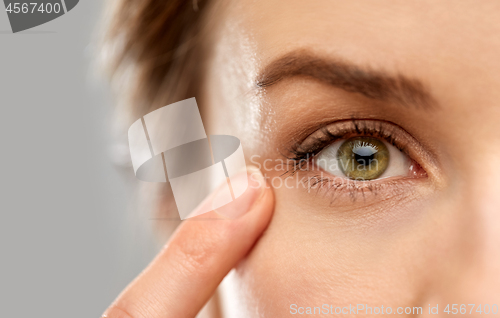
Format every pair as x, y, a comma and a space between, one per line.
300, 155
360, 128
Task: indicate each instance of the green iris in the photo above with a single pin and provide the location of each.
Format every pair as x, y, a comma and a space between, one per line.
363, 158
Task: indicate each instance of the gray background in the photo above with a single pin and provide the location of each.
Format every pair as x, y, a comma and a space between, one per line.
70, 239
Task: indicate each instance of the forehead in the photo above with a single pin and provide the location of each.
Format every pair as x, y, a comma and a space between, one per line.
371, 30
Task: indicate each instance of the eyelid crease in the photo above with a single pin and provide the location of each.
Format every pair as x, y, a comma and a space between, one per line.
343, 129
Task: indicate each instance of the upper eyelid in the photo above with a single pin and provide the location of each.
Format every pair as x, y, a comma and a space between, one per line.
323, 136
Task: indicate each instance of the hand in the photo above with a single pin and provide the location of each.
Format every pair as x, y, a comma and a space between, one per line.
186, 273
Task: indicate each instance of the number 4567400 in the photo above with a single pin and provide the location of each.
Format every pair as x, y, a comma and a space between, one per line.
33, 7
469, 308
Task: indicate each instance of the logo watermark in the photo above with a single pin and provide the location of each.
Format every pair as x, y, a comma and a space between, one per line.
25, 15
170, 145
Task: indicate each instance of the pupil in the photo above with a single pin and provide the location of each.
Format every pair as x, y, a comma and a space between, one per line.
364, 155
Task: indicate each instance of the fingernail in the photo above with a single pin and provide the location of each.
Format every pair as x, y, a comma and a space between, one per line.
254, 181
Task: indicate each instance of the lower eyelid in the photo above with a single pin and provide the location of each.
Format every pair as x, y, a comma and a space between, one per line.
347, 192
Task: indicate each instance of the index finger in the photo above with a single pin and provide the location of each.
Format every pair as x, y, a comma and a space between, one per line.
182, 278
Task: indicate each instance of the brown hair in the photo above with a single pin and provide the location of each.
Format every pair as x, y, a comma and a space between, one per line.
152, 52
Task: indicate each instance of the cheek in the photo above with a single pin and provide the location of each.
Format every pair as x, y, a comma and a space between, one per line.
308, 260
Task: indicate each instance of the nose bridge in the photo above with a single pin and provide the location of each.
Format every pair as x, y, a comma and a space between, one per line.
482, 175
481, 202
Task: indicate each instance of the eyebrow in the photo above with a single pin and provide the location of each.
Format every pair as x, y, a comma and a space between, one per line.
373, 84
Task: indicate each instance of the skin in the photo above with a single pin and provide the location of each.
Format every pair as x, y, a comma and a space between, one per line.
432, 242
414, 241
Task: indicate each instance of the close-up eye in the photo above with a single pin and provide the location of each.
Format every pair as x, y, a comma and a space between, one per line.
359, 150
363, 158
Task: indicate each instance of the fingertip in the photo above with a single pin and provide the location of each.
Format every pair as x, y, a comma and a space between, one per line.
254, 184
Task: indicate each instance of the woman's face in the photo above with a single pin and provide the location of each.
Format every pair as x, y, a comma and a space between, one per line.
420, 77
